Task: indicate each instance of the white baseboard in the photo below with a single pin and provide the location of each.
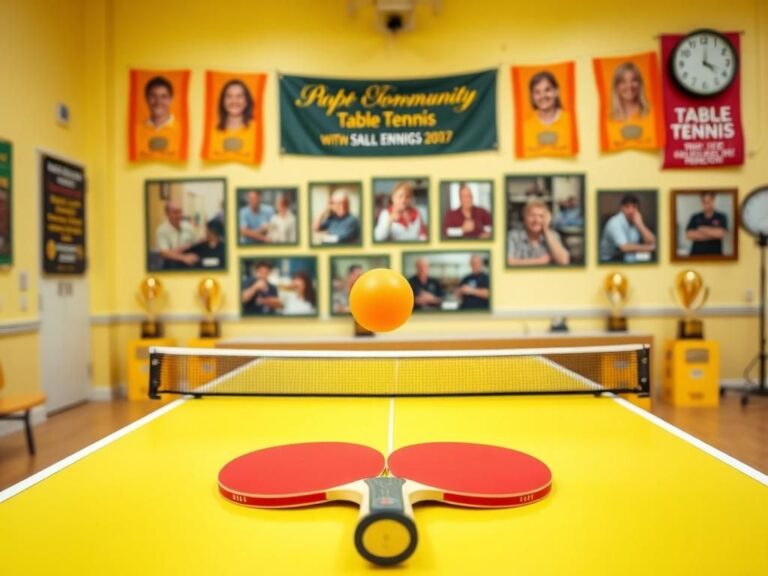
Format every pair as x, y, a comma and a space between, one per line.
106, 394
735, 384
101, 394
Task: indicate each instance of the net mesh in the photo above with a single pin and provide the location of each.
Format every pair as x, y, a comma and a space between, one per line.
302, 373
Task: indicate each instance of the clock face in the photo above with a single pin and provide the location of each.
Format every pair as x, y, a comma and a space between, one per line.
754, 212
704, 63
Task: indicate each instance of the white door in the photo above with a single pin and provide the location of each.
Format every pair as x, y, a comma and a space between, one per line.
65, 338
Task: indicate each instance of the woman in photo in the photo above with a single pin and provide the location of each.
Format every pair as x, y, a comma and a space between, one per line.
302, 300
400, 221
536, 243
628, 99
235, 107
282, 225
549, 128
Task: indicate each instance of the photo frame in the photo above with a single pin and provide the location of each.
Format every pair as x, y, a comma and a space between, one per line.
545, 221
278, 286
186, 225
267, 216
622, 239
335, 214
704, 225
400, 210
344, 271
6, 203
449, 281
466, 210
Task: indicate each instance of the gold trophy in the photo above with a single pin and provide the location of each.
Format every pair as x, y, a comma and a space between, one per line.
616, 288
691, 294
211, 299
151, 296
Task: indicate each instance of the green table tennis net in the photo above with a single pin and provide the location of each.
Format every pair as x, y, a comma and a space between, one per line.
581, 370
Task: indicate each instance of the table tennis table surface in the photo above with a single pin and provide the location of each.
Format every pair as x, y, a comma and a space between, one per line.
631, 494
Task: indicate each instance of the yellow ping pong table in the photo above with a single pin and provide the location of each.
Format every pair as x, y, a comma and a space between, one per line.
631, 494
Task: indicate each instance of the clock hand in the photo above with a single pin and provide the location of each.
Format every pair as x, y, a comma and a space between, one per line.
708, 65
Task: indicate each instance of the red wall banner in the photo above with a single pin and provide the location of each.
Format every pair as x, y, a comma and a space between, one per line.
700, 131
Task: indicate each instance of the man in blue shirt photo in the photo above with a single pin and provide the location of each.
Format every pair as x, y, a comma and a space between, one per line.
253, 219
625, 236
338, 224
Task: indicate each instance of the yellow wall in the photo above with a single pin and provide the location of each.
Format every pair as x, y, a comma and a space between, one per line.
44, 59
321, 38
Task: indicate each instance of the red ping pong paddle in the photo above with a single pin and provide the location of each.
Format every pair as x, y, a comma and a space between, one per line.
315, 472
462, 474
473, 475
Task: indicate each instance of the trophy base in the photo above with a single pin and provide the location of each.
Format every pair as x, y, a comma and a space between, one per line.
361, 331
617, 324
689, 329
558, 325
210, 329
151, 329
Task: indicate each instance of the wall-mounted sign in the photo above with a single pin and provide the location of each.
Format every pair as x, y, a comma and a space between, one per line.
339, 117
63, 202
702, 100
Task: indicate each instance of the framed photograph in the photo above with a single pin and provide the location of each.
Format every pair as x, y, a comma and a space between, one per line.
335, 210
449, 281
627, 226
344, 271
466, 210
185, 224
267, 216
704, 225
400, 210
278, 286
545, 220
6, 220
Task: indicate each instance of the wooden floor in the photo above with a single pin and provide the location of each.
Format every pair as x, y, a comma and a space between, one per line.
739, 431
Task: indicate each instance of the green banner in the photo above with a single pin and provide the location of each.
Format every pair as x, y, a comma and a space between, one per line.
6, 187
337, 117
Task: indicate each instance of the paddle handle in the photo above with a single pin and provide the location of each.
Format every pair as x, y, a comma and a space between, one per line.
386, 533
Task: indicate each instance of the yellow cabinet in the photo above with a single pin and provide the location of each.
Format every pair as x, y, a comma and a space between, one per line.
691, 373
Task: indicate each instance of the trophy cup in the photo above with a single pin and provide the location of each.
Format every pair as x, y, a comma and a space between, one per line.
616, 289
211, 299
691, 294
151, 297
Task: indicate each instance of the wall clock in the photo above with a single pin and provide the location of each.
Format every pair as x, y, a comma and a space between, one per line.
754, 212
704, 63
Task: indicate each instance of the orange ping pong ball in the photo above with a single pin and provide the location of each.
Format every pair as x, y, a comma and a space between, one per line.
381, 300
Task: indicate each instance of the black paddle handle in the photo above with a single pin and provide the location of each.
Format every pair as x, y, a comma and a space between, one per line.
386, 533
